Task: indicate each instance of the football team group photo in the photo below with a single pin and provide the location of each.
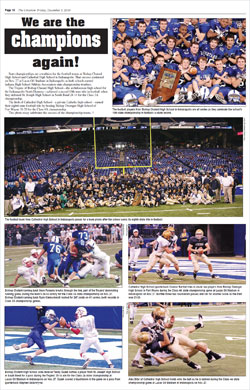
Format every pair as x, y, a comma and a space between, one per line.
179, 61
124, 167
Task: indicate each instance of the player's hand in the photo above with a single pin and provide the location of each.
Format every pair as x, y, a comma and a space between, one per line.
67, 326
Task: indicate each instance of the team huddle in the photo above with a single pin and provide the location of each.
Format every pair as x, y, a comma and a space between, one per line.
47, 320
64, 265
210, 55
163, 253
160, 343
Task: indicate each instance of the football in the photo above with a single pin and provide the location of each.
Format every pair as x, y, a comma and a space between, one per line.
62, 322
200, 251
193, 71
74, 251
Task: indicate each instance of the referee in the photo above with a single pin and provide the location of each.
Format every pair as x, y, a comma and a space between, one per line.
134, 243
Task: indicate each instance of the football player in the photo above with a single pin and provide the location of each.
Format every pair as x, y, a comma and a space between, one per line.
239, 78
27, 271
184, 82
86, 323
171, 247
221, 82
162, 347
42, 265
93, 254
44, 323
134, 243
199, 246
162, 253
54, 252
202, 79
149, 321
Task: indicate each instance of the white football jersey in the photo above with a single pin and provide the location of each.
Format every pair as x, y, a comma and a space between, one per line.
172, 241
161, 244
96, 252
87, 326
147, 320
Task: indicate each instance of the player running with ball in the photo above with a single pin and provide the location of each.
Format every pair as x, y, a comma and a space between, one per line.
199, 246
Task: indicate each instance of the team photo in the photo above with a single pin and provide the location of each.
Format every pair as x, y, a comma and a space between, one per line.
187, 254
188, 60
124, 167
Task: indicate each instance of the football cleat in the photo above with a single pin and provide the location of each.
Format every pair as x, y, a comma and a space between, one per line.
158, 271
194, 365
44, 281
30, 360
59, 279
131, 321
180, 99
220, 98
215, 356
214, 276
181, 273
135, 363
35, 284
194, 275
147, 362
201, 320
117, 279
16, 347
85, 365
193, 97
111, 365
166, 277
134, 278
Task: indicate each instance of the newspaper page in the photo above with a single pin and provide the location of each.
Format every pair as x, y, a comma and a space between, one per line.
125, 222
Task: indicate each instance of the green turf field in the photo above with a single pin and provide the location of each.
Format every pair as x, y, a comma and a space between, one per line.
37, 367
17, 253
216, 210
221, 333
153, 278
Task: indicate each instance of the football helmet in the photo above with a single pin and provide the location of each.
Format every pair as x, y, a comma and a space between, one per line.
144, 337
166, 234
80, 312
199, 233
130, 100
171, 229
55, 239
233, 96
159, 313
27, 262
204, 92
50, 314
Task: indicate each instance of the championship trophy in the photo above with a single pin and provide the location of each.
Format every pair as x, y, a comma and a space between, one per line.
166, 84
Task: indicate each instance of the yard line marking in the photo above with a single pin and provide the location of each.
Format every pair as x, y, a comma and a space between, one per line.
158, 211
71, 214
